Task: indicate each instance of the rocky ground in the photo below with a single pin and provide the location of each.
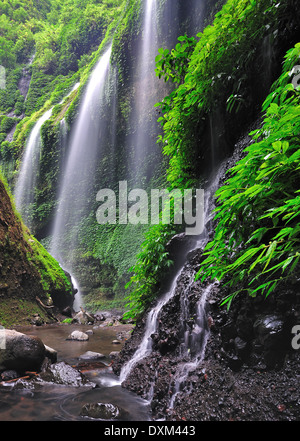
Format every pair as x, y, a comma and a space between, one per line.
250, 371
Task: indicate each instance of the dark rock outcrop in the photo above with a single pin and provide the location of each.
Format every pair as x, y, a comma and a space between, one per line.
21, 352
249, 371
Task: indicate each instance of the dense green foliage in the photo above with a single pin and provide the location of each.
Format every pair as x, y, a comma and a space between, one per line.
28, 253
256, 242
56, 43
218, 73
221, 72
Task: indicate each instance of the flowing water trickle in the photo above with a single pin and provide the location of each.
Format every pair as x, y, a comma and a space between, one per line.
194, 340
24, 191
145, 347
195, 344
25, 185
146, 90
80, 163
78, 300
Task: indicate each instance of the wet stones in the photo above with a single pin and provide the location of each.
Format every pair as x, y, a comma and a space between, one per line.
102, 411
20, 352
270, 336
90, 355
62, 373
83, 318
78, 336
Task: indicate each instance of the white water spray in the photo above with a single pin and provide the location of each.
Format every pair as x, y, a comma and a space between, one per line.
78, 300
200, 330
146, 90
30, 165
80, 161
145, 347
24, 189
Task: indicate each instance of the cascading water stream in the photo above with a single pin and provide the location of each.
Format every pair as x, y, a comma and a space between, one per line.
78, 301
145, 347
146, 95
24, 189
196, 337
79, 168
195, 344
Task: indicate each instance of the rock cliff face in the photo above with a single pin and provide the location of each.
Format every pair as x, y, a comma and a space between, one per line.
29, 276
248, 370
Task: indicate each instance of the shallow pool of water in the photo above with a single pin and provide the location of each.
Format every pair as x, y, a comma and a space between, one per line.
51, 402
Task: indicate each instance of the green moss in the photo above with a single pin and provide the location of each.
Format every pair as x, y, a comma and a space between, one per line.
52, 275
19, 312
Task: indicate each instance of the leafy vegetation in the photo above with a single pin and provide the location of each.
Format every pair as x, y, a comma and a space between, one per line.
214, 73
23, 258
219, 72
256, 243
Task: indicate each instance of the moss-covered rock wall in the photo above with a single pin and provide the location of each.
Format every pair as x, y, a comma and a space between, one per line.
28, 274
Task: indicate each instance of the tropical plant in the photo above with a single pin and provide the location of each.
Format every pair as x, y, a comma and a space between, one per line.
257, 238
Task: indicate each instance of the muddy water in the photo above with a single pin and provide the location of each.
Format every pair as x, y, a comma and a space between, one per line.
50, 402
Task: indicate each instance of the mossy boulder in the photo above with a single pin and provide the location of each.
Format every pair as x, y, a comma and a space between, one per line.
28, 274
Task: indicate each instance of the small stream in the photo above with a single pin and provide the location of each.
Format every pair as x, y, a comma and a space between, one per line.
54, 402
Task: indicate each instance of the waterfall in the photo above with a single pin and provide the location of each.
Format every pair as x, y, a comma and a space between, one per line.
146, 92
78, 301
145, 347
199, 332
195, 344
27, 178
79, 167
24, 191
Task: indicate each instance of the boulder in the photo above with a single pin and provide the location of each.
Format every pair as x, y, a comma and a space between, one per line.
90, 355
78, 335
51, 354
114, 354
9, 375
37, 320
100, 411
62, 373
269, 333
83, 318
20, 352
67, 311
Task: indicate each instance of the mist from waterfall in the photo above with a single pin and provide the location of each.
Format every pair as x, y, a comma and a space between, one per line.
87, 134
24, 191
145, 92
25, 186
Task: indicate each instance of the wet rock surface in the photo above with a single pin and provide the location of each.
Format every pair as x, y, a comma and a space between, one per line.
20, 352
78, 336
63, 373
102, 411
250, 372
